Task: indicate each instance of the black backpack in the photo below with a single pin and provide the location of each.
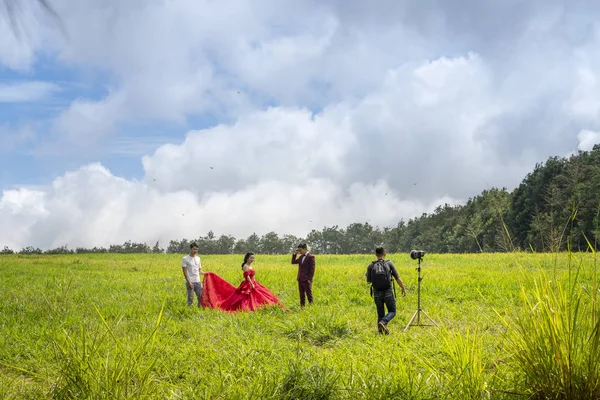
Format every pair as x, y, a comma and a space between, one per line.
381, 275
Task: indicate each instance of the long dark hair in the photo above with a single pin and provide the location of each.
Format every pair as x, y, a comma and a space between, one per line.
246, 257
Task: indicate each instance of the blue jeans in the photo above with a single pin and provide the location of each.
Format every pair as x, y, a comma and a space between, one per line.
385, 298
190, 293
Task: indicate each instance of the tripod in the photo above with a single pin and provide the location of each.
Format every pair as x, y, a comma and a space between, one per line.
417, 313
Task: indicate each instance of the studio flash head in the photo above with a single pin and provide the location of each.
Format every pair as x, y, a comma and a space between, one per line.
417, 254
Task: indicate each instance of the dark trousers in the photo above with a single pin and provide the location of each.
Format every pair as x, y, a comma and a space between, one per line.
383, 299
190, 293
305, 288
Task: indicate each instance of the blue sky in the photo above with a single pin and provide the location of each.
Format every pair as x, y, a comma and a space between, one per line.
31, 100
280, 116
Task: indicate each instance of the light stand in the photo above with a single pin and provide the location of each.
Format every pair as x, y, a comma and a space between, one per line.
417, 313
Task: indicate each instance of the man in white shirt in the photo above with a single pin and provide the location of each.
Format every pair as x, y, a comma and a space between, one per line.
192, 269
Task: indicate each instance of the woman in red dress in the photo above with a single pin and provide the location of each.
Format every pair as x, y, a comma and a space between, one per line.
249, 295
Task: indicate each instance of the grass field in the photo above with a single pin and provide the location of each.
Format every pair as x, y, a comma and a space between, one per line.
117, 327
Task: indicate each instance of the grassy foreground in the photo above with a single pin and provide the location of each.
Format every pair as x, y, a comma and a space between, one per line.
117, 327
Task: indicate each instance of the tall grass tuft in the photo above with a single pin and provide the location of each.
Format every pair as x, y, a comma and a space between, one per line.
465, 376
556, 339
310, 382
319, 330
401, 379
98, 365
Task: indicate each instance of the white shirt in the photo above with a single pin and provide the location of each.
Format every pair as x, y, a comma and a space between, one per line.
193, 266
303, 257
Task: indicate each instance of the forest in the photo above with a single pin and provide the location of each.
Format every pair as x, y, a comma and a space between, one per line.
556, 207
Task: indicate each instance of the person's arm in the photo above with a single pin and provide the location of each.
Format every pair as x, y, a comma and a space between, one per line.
368, 274
294, 260
185, 274
311, 266
397, 278
399, 282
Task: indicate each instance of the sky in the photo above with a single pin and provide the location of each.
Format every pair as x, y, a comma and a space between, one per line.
152, 120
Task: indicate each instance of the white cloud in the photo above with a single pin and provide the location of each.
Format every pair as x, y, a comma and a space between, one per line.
87, 121
91, 207
587, 140
17, 92
320, 107
16, 52
136, 146
287, 145
376, 138
20, 210
172, 60
291, 170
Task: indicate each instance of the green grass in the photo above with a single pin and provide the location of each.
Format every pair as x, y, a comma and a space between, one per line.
117, 327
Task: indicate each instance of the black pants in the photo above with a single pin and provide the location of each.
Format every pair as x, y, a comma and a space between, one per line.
305, 288
385, 299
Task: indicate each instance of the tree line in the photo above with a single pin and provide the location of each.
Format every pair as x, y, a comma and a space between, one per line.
555, 207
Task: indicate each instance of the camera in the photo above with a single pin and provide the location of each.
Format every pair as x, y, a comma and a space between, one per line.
414, 254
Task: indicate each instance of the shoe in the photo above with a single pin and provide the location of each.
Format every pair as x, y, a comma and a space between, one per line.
383, 328
379, 328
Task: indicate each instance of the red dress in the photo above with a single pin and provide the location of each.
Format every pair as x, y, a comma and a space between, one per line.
218, 293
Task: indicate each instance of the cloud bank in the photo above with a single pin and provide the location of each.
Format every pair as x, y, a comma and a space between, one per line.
323, 113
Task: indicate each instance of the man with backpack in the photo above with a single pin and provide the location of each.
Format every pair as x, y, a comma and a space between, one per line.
379, 275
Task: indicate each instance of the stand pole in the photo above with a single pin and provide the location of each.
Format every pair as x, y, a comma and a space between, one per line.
417, 313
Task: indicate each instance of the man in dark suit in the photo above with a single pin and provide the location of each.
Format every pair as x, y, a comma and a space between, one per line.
306, 271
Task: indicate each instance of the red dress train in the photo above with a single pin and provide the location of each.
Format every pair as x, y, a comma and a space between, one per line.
218, 293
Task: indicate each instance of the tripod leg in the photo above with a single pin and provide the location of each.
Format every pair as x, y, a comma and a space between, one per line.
411, 320
424, 313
